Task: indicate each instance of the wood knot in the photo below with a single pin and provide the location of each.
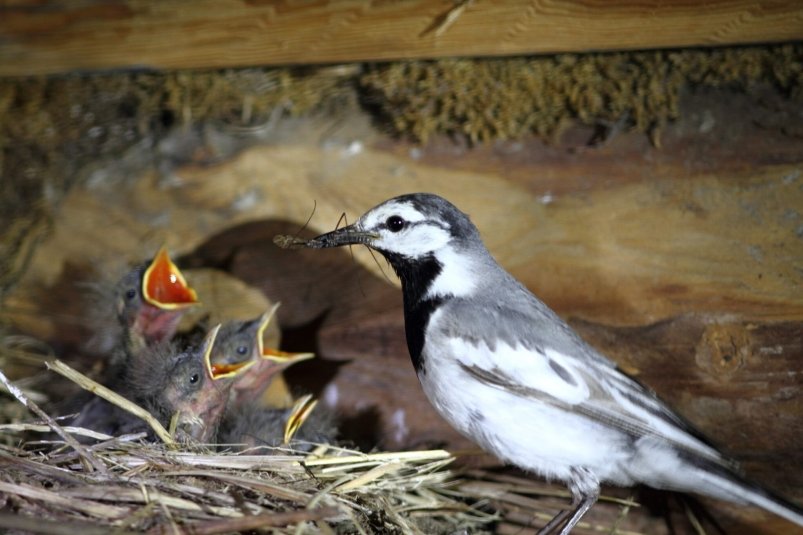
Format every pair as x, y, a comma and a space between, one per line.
723, 348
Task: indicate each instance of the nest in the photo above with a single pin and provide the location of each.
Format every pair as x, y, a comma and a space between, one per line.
127, 484
492, 99
74, 480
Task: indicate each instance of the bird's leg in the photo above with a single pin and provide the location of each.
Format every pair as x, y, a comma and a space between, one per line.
553, 524
584, 487
582, 508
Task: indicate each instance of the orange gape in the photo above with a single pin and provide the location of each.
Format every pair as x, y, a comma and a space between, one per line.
225, 369
164, 285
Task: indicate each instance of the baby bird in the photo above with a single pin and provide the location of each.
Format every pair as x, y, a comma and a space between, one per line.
252, 427
241, 343
239, 354
149, 302
181, 389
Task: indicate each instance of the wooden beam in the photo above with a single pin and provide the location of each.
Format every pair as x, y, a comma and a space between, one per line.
50, 36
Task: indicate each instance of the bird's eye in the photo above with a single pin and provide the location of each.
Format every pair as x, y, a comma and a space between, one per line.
395, 223
130, 294
194, 378
242, 350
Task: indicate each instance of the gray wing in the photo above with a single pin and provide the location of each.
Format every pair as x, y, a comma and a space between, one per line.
516, 318
614, 399
605, 409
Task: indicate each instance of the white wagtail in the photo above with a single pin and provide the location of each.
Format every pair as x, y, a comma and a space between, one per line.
508, 373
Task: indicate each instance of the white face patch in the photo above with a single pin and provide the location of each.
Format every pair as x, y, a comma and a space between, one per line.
419, 237
457, 276
381, 213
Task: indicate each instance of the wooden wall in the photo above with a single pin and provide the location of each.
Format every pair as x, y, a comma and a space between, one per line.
683, 263
38, 37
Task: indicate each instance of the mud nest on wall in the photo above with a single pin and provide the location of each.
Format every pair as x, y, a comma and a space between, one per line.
53, 129
486, 100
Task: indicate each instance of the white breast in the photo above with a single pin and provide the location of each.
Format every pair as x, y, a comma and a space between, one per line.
519, 429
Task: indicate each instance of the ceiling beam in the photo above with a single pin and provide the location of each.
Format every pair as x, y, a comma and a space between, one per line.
51, 36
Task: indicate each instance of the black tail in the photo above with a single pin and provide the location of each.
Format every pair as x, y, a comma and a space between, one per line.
731, 486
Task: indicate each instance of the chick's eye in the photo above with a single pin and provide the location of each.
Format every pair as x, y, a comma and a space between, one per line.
194, 378
395, 223
130, 294
242, 350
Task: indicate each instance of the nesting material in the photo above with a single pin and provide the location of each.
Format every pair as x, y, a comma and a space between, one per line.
125, 483
486, 100
147, 487
112, 397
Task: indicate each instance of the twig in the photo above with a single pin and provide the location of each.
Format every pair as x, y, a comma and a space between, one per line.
86, 458
112, 397
370, 475
277, 491
276, 463
248, 523
44, 429
145, 495
37, 524
623, 512
98, 510
695, 522
425, 455
10, 462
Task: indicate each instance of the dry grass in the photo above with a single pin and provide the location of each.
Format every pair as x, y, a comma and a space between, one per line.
58, 484
152, 488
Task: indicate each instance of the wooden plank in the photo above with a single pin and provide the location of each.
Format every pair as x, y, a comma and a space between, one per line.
48, 36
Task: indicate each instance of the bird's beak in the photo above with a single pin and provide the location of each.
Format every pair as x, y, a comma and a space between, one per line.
298, 415
274, 355
284, 357
220, 371
185, 426
350, 235
164, 286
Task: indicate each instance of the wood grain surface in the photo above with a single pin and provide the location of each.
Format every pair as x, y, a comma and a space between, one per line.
39, 37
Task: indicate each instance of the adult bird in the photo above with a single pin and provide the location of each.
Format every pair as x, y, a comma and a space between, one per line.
504, 370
